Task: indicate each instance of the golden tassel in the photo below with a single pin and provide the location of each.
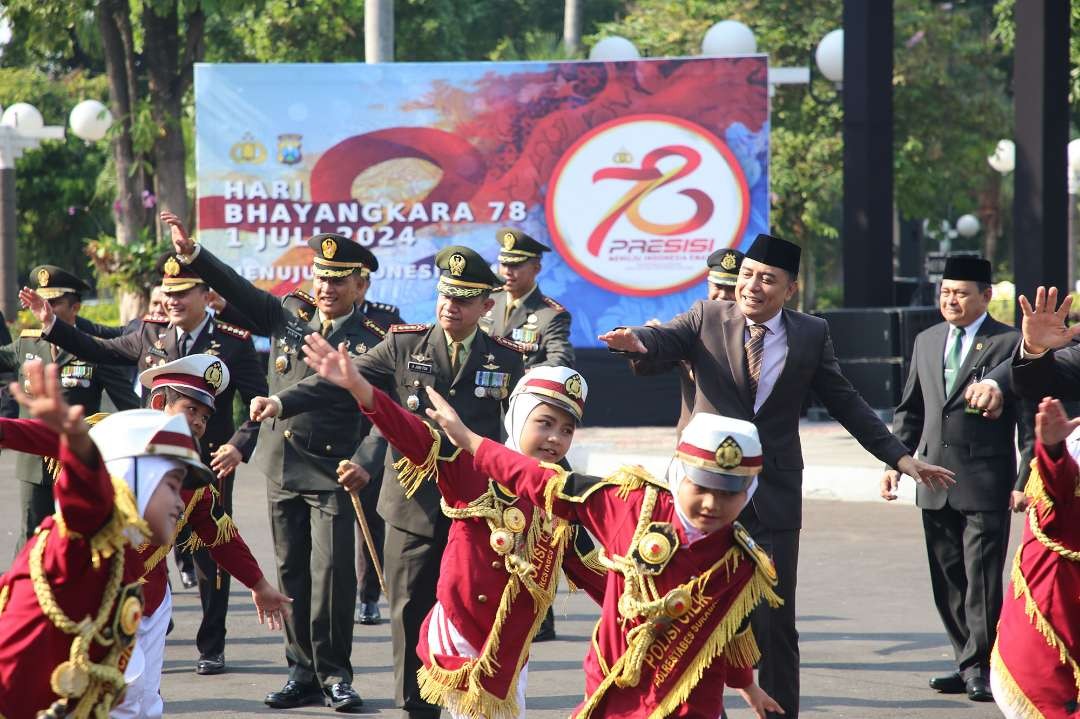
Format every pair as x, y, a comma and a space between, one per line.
4, 594
226, 530
412, 475
742, 651
1014, 698
1020, 588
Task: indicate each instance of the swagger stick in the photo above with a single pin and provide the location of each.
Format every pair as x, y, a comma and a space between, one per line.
366, 531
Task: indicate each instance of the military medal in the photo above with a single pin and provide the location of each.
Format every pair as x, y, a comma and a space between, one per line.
412, 402
532, 319
480, 392
491, 384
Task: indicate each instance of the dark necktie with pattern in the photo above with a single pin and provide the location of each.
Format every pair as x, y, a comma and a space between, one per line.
755, 352
185, 344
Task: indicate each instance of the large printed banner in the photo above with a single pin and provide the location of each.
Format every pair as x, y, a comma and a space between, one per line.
633, 172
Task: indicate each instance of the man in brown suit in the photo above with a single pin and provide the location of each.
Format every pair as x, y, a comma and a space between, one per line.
754, 360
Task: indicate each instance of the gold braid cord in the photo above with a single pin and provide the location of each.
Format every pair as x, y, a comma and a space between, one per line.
111, 539
1014, 698
4, 594
412, 475
443, 686
91, 687
1041, 506
641, 600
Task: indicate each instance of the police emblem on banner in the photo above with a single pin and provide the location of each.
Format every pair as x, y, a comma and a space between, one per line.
248, 150
288, 149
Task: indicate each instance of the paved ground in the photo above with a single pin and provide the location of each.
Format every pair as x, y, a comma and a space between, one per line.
870, 637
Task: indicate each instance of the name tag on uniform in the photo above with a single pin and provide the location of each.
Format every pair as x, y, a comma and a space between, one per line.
421, 367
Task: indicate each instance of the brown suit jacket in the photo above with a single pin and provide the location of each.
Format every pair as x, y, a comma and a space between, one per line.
710, 336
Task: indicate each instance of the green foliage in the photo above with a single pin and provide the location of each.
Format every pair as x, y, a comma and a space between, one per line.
1005, 33
126, 268
104, 313
58, 206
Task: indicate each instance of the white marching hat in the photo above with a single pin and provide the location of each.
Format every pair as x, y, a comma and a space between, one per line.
146, 432
199, 376
720, 452
559, 386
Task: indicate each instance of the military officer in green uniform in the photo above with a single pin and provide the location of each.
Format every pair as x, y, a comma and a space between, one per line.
475, 372
522, 312
82, 383
311, 513
186, 328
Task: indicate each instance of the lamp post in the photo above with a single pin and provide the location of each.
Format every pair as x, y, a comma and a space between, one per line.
22, 128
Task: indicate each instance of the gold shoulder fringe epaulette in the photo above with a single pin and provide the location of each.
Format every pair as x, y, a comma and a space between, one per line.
36, 332
511, 344
420, 327
232, 330
156, 319
374, 328
752, 548
554, 305
300, 294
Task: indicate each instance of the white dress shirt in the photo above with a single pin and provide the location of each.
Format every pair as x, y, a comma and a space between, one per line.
965, 345
773, 358
194, 334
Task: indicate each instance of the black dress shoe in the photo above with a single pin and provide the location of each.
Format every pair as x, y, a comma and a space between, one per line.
978, 690
342, 697
546, 632
214, 664
187, 578
369, 613
949, 684
294, 694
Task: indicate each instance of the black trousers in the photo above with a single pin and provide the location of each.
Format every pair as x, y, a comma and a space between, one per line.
966, 551
774, 629
314, 549
412, 574
36, 502
369, 590
214, 584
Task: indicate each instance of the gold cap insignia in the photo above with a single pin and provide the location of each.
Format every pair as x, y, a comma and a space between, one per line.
456, 264
43, 278
508, 241
329, 248
573, 386
728, 262
172, 267
212, 375
729, 454
677, 602
514, 519
654, 548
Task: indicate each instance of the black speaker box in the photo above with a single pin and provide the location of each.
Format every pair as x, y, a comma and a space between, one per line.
879, 381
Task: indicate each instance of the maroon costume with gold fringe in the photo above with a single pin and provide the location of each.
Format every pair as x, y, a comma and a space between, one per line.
1036, 660
498, 575
674, 626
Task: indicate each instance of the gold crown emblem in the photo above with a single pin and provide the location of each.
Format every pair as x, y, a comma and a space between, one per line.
172, 267
212, 375
508, 241
43, 278
329, 248
456, 264
573, 386
729, 454
622, 157
728, 262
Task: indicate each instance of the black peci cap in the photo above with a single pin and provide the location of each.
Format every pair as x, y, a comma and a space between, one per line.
975, 269
774, 251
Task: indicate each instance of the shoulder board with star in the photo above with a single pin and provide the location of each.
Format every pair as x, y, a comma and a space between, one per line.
233, 330
511, 344
553, 304
398, 329
34, 333
383, 307
372, 327
156, 319
300, 294
754, 550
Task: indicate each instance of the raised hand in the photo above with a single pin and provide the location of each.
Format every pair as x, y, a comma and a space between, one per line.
182, 244
1043, 326
447, 418
622, 340
34, 302
1052, 425
337, 366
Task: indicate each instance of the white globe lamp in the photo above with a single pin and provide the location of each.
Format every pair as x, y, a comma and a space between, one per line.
90, 120
612, 49
1004, 158
967, 225
24, 116
729, 37
829, 56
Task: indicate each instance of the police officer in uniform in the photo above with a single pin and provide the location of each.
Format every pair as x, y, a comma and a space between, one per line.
186, 328
475, 372
311, 514
522, 312
81, 382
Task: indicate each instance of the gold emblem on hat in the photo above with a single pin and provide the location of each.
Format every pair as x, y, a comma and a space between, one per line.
70, 680
677, 602
729, 454
172, 267
572, 385
514, 519
329, 248
43, 277
456, 264
130, 614
508, 241
654, 548
212, 375
728, 262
